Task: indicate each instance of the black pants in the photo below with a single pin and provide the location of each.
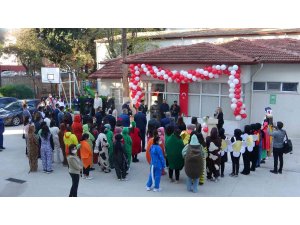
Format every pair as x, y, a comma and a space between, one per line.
277, 153
222, 167
211, 169
246, 160
177, 173
143, 136
86, 171
75, 183
254, 157
235, 164
120, 171
224, 159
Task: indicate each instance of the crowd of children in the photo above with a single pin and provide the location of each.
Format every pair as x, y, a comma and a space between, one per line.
59, 136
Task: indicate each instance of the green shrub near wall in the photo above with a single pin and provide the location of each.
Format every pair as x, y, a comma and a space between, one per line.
18, 91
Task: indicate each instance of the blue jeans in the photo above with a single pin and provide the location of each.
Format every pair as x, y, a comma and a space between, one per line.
154, 177
192, 184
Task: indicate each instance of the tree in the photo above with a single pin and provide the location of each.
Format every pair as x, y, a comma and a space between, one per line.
29, 50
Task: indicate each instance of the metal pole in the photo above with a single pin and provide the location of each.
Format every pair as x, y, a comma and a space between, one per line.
70, 89
74, 85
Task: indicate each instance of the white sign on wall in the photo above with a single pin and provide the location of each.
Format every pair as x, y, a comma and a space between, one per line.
50, 75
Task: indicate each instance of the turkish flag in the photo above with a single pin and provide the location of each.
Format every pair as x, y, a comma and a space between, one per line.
184, 98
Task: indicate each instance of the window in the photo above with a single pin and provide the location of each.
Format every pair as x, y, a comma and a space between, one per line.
289, 86
195, 88
259, 86
274, 86
209, 105
194, 105
210, 88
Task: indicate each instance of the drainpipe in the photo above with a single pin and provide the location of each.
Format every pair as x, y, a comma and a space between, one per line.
252, 77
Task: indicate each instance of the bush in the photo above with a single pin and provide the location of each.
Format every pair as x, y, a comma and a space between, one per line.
18, 91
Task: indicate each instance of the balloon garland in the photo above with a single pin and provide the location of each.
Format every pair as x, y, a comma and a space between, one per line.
208, 72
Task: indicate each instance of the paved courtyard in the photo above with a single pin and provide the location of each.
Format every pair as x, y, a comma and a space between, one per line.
14, 164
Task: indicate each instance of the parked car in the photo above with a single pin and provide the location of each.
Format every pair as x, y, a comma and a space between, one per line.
8, 74
6, 100
12, 114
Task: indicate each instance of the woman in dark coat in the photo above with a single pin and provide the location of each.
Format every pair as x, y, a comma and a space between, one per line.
180, 124
120, 158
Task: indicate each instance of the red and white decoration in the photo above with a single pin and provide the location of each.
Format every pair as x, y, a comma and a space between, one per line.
208, 72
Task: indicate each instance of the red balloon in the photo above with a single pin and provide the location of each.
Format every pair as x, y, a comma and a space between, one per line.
214, 71
237, 96
244, 116
202, 77
238, 86
237, 75
239, 104
209, 69
205, 129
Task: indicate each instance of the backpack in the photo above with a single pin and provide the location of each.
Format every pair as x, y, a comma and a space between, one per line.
287, 145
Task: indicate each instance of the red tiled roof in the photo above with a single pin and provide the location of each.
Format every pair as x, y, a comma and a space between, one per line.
201, 53
261, 52
288, 44
112, 69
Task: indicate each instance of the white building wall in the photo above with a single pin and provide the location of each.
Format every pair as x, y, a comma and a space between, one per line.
287, 107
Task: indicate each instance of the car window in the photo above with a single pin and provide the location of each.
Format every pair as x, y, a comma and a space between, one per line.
13, 106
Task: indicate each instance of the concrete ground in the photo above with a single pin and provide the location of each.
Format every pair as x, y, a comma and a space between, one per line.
14, 164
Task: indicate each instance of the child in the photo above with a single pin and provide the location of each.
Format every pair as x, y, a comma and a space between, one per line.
86, 156
101, 148
120, 160
157, 164
213, 143
247, 152
135, 136
33, 149
128, 145
110, 137
224, 145
185, 135
75, 166
235, 152
258, 143
194, 163
47, 147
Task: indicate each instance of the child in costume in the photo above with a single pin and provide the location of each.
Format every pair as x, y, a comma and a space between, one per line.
135, 136
259, 143
213, 143
193, 160
235, 152
86, 156
101, 147
110, 137
224, 149
185, 135
128, 145
248, 145
120, 158
158, 163
33, 149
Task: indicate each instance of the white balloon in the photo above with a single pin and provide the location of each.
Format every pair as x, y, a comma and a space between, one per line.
218, 67
243, 106
134, 101
233, 100
174, 71
166, 77
185, 73
170, 80
231, 95
238, 117
242, 111
229, 68
231, 90
235, 67
214, 66
194, 78
158, 74
201, 71
232, 72
134, 87
137, 78
143, 65
231, 77
145, 70
139, 93
137, 73
136, 68
130, 84
232, 85
205, 73
210, 75
233, 105
155, 70
229, 82
148, 74
189, 75
163, 72
236, 81
223, 67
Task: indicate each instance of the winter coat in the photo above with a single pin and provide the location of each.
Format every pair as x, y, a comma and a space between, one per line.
136, 140
125, 120
193, 161
110, 136
141, 121
101, 147
174, 147
86, 153
119, 155
128, 143
154, 109
91, 139
157, 157
69, 139
75, 164
54, 131
77, 127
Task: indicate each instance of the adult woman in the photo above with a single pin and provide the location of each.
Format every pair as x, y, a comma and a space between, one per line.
180, 124
58, 155
195, 121
75, 166
278, 134
219, 115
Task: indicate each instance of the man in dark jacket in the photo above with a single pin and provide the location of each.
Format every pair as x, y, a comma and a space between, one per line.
165, 121
153, 124
126, 106
175, 110
154, 109
164, 107
144, 107
125, 118
141, 123
110, 119
98, 116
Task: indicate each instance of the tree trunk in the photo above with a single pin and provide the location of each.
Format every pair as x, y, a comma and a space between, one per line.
124, 66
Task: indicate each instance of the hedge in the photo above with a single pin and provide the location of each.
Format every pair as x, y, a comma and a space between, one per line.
18, 91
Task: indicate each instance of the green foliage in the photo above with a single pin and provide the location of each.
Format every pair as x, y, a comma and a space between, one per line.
17, 91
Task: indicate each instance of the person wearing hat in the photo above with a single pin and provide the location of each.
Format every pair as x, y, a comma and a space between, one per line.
193, 163
128, 144
110, 140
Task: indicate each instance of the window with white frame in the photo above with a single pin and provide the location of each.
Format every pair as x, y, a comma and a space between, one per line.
259, 86
290, 87
275, 86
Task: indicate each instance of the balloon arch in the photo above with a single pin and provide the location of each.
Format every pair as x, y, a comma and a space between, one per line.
208, 72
